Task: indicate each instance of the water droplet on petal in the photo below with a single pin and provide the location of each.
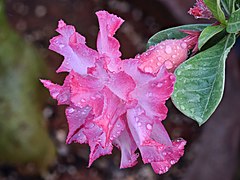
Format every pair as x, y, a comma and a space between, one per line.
172, 162
93, 98
159, 85
184, 45
149, 126
148, 69
168, 49
137, 119
164, 153
71, 110
139, 124
172, 77
161, 47
149, 94
168, 64
61, 46
83, 100
174, 56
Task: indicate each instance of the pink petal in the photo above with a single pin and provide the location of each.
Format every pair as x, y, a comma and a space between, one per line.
128, 147
60, 93
141, 127
200, 10
110, 120
107, 45
170, 53
151, 91
85, 90
70, 44
153, 141
77, 119
172, 155
121, 84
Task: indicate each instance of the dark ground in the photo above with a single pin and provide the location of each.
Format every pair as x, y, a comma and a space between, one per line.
212, 152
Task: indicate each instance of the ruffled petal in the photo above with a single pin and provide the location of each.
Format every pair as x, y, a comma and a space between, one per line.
86, 91
77, 119
128, 147
110, 119
121, 84
152, 90
153, 141
70, 44
172, 155
107, 45
60, 93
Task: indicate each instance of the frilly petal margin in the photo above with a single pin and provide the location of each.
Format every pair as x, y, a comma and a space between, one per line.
107, 45
113, 102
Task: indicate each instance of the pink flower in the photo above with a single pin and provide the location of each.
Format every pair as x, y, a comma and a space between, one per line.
113, 102
200, 10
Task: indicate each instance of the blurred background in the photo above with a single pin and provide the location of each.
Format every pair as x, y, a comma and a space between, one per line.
33, 128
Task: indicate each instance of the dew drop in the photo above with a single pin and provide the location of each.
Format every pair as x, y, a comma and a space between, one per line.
179, 73
159, 85
182, 107
168, 49
174, 56
161, 47
172, 77
71, 110
184, 45
149, 94
61, 46
159, 64
149, 126
164, 153
137, 119
148, 69
168, 64
139, 124
83, 100
172, 162
93, 98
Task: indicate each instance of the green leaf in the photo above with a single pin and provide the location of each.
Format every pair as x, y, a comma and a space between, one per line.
200, 81
215, 7
229, 5
208, 33
233, 25
174, 33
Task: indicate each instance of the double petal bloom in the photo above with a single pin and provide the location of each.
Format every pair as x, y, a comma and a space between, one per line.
113, 102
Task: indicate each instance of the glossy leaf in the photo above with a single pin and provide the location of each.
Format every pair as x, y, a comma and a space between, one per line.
215, 7
229, 5
233, 25
208, 33
174, 33
200, 81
